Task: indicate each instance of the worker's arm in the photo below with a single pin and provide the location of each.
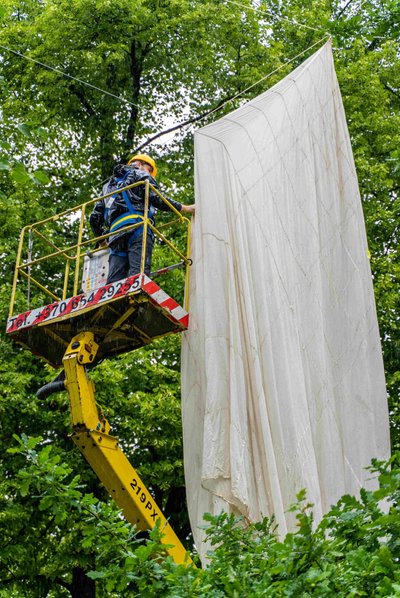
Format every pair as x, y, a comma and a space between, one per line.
159, 204
156, 201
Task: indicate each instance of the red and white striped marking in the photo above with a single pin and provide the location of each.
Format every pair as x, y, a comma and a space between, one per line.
80, 303
160, 297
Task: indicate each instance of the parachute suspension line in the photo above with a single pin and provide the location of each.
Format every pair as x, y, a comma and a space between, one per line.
50, 68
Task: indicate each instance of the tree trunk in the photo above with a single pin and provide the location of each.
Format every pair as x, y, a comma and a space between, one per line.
137, 55
82, 586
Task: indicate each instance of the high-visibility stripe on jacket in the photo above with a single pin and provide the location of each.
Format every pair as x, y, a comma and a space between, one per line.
126, 220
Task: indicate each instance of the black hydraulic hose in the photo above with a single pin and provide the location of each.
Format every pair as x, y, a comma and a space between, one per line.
56, 385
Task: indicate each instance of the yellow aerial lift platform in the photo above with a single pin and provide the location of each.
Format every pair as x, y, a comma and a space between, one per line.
123, 316
80, 327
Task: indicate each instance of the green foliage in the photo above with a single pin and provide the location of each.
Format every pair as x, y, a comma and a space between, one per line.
47, 498
172, 60
354, 551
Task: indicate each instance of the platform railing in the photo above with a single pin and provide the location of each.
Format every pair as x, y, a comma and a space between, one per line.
31, 255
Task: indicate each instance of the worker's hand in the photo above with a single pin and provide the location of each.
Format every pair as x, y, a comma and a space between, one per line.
189, 209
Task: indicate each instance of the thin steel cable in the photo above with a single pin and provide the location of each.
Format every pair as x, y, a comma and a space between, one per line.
208, 112
269, 74
217, 109
68, 76
266, 9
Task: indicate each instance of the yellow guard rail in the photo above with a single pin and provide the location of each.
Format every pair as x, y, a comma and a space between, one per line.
40, 245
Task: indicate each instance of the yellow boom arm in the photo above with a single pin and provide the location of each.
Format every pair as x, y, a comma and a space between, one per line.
102, 451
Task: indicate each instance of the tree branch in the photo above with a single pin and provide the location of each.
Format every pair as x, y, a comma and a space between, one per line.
344, 9
182, 124
136, 68
81, 97
395, 92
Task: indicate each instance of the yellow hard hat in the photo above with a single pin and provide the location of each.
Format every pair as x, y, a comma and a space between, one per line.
147, 160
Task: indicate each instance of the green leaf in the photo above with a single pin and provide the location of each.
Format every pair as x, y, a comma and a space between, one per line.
41, 177
25, 129
24, 487
19, 174
96, 574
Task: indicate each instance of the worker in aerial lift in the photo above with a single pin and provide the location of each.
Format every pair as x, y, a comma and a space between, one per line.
122, 209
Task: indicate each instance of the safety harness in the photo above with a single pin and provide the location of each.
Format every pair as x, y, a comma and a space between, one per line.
125, 219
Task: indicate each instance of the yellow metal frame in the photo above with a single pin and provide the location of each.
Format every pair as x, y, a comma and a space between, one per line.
74, 253
102, 451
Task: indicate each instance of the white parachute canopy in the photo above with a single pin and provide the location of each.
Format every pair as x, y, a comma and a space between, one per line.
282, 373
